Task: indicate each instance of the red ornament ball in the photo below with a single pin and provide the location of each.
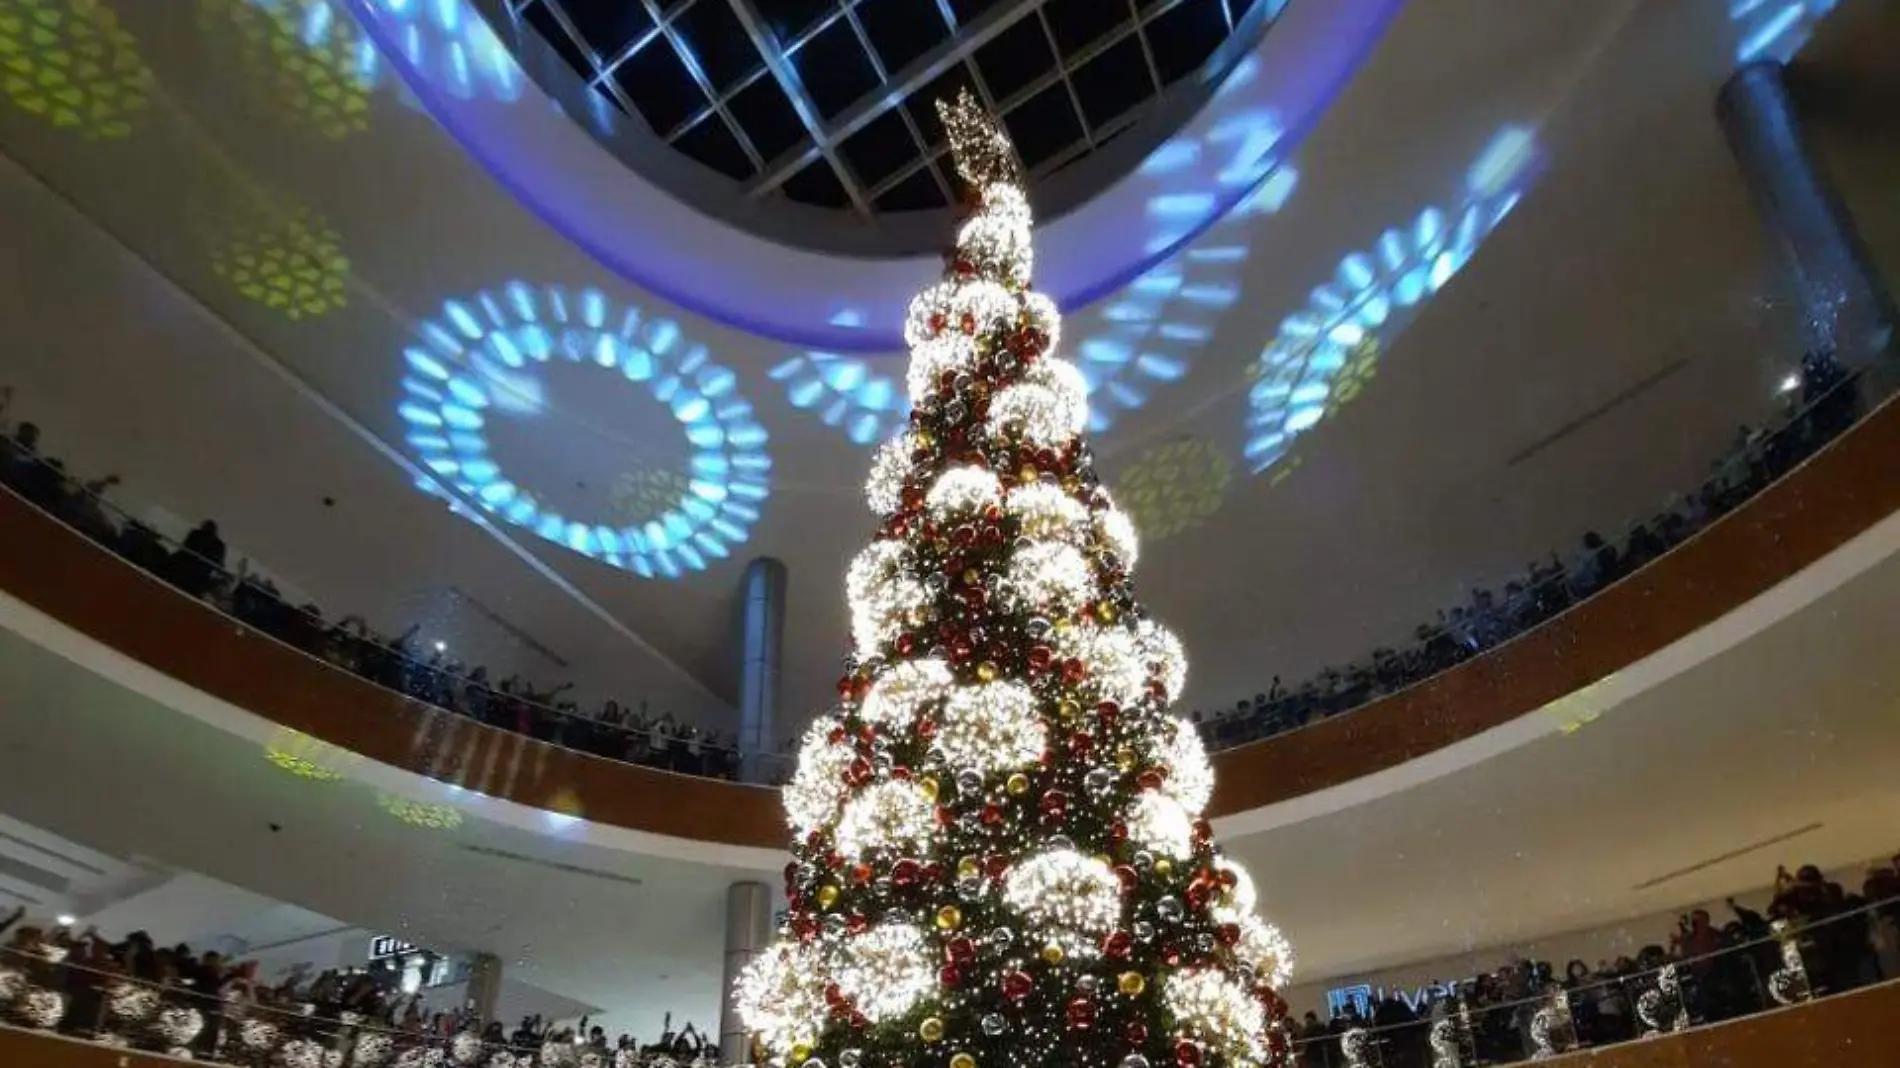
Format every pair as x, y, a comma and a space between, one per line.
1017, 985
1081, 1014
1187, 1054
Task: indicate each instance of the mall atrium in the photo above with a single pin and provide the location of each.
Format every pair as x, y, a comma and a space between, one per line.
949, 533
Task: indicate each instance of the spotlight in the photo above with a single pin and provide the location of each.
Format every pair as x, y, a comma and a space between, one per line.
66, 920
441, 647
1790, 383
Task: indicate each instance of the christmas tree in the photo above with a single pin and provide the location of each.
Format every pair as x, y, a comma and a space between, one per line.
1000, 858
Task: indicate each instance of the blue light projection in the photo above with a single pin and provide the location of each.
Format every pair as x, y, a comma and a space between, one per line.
481, 357
1329, 346
1154, 326
444, 39
1775, 29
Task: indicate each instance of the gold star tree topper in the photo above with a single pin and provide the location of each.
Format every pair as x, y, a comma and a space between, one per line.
982, 151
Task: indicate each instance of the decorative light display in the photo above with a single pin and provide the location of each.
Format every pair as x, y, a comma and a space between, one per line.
370, 1050
1662, 1008
1216, 1010
812, 797
896, 698
303, 756
1447, 1052
1069, 896
1789, 984
1241, 896
1190, 777
1553, 1028
1372, 295
70, 63
846, 392
888, 816
480, 361
294, 265
1775, 29
643, 493
40, 1008
130, 1003
886, 970
963, 489
991, 727
1158, 822
997, 849
1174, 487
425, 814
1355, 1046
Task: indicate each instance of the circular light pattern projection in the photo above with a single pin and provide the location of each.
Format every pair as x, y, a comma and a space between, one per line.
1371, 297
428, 815
1174, 487
294, 265
845, 392
304, 756
1775, 29
481, 358
320, 67
72, 64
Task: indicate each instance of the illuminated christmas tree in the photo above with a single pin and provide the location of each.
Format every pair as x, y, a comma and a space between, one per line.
1000, 858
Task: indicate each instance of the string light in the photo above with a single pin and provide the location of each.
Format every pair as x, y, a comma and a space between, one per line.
1190, 778
963, 489
1112, 655
41, 1008
893, 815
811, 798
1042, 316
887, 970
1242, 897
1160, 823
991, 727
1075, 899
1163, 652
931, 360
884, 489
1117, 531
1051, 575
902, 692
781, 997
178, 1025
879, 615
1263, 948
1040, 415
1216, 1010
1070, 388
997, 241
1045, 512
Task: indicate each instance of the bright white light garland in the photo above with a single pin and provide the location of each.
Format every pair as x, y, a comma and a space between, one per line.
886, 970
1163, 650
1066, 382
1265, 948
1041, 313
895, 815
1190, 778
963, 489
933, 301
1112, 655
1158, 822
880, 615
999, 241
884, 489
1046, 512
1039, 414
1117, 531
41, 1008
302, 1053
811, 798
1074, 899
991, 727
874, 566
930, 359
1216, 1010
1243, 898
781, 997
903, 690
178, 1025
1051, 575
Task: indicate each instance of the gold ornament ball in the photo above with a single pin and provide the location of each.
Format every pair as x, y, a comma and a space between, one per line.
827, 896
1131, 983
963, 1060
1053, 953
1028, 474
1017, 784
949, 918
931, 1030
1125, 757
987, 671
1106, 612
1164, 867
1070, 709
801, 1052
972, 577
929, 785
969, 868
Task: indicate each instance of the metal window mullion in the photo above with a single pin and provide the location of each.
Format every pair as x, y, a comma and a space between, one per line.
1062, 69
903, 113
1147, 50
780, 64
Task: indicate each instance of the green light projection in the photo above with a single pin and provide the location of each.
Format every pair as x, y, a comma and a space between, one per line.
72, 64
294, 264
322, 83
1174, 487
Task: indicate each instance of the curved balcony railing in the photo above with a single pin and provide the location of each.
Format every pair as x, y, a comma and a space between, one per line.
1833, 485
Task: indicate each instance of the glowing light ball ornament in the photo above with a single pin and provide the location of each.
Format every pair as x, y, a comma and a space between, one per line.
997, 858
486, 359
70, 63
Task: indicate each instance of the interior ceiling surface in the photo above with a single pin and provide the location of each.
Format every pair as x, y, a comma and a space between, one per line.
635, 936
1300, 501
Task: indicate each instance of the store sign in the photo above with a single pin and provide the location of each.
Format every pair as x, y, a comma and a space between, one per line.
1365, 997
383, 947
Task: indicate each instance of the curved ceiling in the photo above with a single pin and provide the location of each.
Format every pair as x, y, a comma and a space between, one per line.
1330, 407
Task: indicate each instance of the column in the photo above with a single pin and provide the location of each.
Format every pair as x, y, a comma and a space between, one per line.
1846, 309
748, 933
484, 985
761, 637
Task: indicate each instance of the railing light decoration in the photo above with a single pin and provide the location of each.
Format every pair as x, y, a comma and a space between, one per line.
481, 360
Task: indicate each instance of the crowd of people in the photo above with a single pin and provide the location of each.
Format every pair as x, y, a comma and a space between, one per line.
170, 999
1846, 940
633, 733
1824, 401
